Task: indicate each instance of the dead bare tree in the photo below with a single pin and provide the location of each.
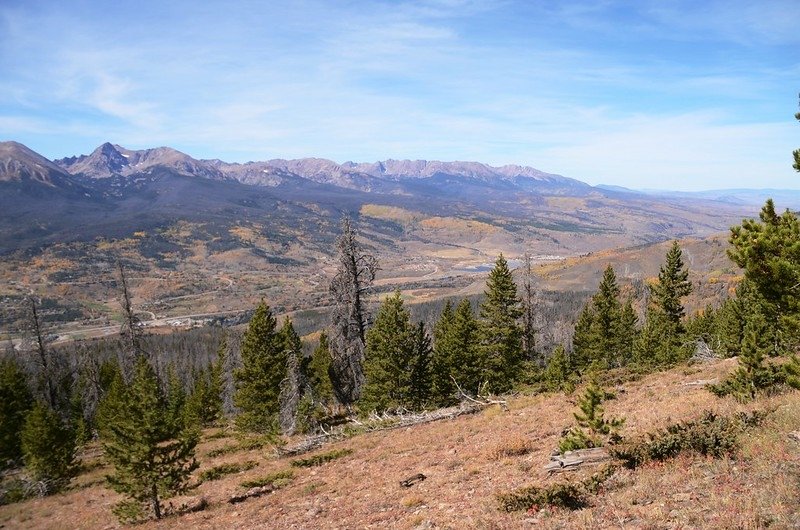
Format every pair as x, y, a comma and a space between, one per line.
528, 312
44, 359
355, 274
292, 389
130, 332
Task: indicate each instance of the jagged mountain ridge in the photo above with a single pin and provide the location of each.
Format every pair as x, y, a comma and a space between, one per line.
115, 192
110, 160
113, 160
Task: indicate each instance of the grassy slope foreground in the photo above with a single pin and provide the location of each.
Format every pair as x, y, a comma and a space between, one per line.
468, 461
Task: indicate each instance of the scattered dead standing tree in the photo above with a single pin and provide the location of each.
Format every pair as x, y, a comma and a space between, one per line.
44, 360
355, 274
130, 332
293, 388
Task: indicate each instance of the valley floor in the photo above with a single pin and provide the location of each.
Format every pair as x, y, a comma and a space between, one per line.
466, 466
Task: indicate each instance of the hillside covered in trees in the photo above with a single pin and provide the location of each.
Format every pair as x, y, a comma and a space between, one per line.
146, 408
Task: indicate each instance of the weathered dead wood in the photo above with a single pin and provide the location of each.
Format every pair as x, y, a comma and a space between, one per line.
252, 493
481, 400
572, 460
702, 382
794, 435
389, 422
410, 481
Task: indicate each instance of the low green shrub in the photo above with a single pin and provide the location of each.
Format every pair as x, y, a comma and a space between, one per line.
711, 435
277, 480
322, 458
570, 495
217, 472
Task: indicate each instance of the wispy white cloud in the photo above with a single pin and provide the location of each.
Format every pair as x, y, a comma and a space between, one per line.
594, 90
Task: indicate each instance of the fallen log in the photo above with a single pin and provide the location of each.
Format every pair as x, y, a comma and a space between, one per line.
573, 460
252, 493
410, 481
702, 382
397, 421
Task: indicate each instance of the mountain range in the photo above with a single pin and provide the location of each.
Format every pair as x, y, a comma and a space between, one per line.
114, 192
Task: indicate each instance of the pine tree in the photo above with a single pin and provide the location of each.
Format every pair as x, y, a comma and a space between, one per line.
591, 418
259, 378
112, 400
349, 317
728, 326
319, 372
791, 372
501, 336
421, 381
558, 374
152, 456
583, 340
769, 253
753, 375
442, 364
599, 335
457, 357
176, 398
673, 284
15, 402
48, 448
606, 326
661, 342
389, 358
204, 405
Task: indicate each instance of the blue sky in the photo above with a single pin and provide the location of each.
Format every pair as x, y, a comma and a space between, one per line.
646, 94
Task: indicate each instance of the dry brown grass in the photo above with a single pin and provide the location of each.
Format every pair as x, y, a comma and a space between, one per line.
468, 461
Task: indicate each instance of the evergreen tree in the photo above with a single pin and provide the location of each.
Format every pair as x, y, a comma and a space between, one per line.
769, 252
607, 323
48, 448
501, 336
599, 335
389, 359
591, 418
152, 456
468, 361
204, 405
791, 372
729, 321
421, 381
112, 400
319, 372
753, 375
259, 378
658, 343
443, 363
291, 340
673, 284
15, 402
661, 342
583, 345
176, 398
558, 375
